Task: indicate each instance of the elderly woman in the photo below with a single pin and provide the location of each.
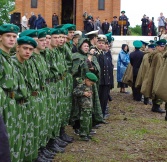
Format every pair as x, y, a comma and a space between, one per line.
122, 63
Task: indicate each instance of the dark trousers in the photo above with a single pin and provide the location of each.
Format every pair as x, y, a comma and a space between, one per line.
103, 96
115, 32
4, 143
145, 31
136, 91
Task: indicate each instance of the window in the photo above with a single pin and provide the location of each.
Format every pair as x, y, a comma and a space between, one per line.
34, 3
101, 4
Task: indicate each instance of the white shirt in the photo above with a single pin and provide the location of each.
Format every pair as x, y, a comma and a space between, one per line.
24, 21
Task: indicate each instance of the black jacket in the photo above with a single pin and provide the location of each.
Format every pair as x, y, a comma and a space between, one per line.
89, 27
32, 21
136, 58
105, 27
106, 66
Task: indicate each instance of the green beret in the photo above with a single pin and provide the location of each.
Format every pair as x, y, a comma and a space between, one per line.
137, 44
41, 33
145, 43
69, 27
152, 41
91, 76
9, 28
27, 40
109, 35
48, 31
31, 33
122, 11
112, 39
55, 31
152, 45
63, 31
59, 26
161, 42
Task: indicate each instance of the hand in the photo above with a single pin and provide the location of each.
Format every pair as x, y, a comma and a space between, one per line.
87, 94
92, 69
90, 57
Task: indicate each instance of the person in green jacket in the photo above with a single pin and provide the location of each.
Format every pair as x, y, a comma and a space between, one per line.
24, 50
8, 81
83, 62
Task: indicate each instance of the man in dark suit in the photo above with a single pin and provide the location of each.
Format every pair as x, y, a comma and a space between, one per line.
136, 58
106, 73
115, 26
105, 27
144, 25
123, 17
31, 21
89, 26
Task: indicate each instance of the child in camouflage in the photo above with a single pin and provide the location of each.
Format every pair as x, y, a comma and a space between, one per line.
83, 94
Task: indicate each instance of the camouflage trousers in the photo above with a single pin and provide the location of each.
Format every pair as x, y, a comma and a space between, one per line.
56, 111
68, 89
20, 140
43, 129
85, 121
10, 116
48, 114
33, 123
96, 111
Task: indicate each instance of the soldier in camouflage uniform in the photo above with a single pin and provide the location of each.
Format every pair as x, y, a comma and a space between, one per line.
64, 74
34, 103
8, 81
4, 142
69, 81
52, 62
55, 143
83, 93
24, 50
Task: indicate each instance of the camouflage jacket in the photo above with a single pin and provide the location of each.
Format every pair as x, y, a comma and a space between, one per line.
8, 79
83, 101
68, 55
22, 91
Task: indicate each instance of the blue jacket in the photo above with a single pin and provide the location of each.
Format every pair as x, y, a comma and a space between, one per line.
122, 63
39, 22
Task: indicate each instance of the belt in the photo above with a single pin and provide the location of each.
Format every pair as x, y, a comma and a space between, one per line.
47, 81
42, 88
34, 93
10, 94
63, 76
21, 101
53, 80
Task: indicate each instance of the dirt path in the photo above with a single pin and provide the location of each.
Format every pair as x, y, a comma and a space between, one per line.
134, 133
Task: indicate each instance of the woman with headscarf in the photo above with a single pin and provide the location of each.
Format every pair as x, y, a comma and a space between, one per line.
122, 63
84, 62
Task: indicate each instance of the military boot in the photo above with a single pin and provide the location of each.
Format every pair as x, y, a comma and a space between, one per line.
60, 142
146, 100
156, 108
65, 137
42, 158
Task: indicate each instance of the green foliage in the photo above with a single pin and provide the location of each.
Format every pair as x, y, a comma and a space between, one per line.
136, 30
6, 6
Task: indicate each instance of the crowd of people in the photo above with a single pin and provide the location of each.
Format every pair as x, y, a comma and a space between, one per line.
45, 87
106, 26
36, 22
54, 77
144, 71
